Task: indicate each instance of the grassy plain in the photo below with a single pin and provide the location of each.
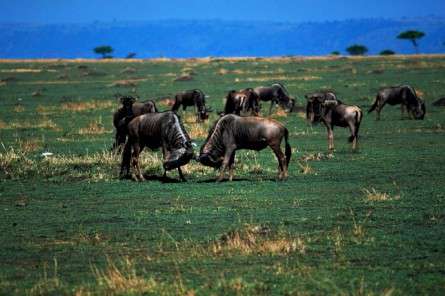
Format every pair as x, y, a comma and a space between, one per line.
364, 223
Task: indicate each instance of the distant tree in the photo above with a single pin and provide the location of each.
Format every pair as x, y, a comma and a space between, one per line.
335, 52
387, 52
104, 50
357, 49
130, 55
412, 35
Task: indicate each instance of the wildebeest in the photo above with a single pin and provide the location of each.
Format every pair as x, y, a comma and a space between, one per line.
130, 109
276, 94
157, 130
326, 108
242, 101
404, 95
194, 97
232, 132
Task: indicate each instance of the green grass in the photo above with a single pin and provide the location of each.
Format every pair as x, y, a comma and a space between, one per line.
367, 222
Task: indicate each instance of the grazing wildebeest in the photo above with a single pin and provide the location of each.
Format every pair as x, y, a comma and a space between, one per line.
242, 101
130, 109
194, 97
232, 132
404, 95
276, 94
326, 108
157, 130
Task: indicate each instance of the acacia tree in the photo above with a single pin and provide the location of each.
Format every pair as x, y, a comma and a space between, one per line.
357, 49
387, 52
104, 50
412, 35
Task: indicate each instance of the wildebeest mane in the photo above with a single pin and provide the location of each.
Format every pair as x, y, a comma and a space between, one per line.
176, 133
283, 88
214, 137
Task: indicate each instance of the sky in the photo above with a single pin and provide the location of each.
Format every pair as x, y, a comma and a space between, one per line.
67, 11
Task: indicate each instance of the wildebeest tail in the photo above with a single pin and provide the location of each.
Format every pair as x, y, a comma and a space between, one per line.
358, 120
288, 150
374, 105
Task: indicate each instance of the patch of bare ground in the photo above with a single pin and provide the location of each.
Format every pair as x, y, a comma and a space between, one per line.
128, 70
184, 77
167, 102
124, 83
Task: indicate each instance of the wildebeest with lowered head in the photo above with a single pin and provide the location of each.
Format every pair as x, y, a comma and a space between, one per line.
194, 97
276, 94
130, 109
157, 130
232, 132
242, 101
404, 95
326, 108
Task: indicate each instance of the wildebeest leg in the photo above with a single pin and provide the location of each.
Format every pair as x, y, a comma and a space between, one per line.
281, 159
231, 166
226, 161
402, 110
181, 175
353, 138
126, 159
272, 103
135, 160
164, 153
379, 109
330, 137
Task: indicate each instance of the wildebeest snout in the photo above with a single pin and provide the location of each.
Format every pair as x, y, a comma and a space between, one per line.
208, 160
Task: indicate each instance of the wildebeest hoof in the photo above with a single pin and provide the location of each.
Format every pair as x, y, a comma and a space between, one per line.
124, 176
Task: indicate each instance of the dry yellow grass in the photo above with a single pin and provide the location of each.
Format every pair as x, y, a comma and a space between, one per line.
374, 195
44, 123
95, 127
30, 145
19, 108
276, 78
21, 70
83, 106
305, 168
124, 279
257, 239
206, 60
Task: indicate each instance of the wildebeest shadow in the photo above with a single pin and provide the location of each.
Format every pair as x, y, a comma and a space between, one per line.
161, 179
213, 180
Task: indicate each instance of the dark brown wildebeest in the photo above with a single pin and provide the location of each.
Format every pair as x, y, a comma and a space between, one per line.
242, 101
130, 109
157, 130
232, 132
194, 97
404, 95
276, 94
326, 108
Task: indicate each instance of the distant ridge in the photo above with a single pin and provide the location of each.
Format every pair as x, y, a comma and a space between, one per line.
183, 38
